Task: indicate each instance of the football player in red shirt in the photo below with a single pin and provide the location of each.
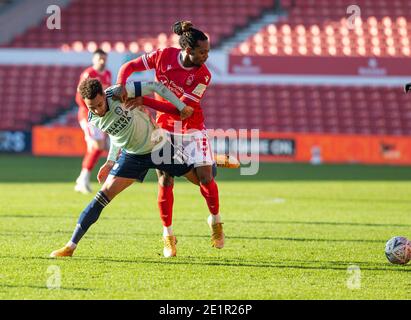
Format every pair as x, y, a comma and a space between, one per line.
95, 138
184, 72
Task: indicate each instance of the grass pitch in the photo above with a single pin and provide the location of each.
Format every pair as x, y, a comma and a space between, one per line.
293, 232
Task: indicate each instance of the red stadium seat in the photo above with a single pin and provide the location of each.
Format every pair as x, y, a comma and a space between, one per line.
27, 105
128, 21
390, 21
338, 111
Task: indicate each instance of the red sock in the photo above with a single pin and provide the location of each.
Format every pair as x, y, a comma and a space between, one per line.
91, 158
210, 193
165, 202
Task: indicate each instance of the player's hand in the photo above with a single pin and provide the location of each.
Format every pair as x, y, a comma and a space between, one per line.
407, 87
119, 92
133, 103
186, 112
104, 171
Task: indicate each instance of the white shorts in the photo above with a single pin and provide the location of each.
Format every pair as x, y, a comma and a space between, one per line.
91, 133
197, 148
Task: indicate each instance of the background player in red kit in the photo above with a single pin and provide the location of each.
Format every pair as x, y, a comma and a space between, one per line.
95, 138
184, 72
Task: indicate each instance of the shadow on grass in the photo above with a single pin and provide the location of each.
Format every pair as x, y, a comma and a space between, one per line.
223, 262
110, 235
232, 222
2, 285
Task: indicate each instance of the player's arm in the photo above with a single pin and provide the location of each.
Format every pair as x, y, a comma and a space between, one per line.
137, 89
193, 97
113, 152
169, 107
108, 165
142, 63
159, 88
129, 68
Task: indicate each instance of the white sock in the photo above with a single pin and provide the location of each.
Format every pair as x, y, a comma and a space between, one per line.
84, 175
167, 231
71, 245
214, 218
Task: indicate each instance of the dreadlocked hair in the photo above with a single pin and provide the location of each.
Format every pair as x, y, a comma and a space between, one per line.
188, 35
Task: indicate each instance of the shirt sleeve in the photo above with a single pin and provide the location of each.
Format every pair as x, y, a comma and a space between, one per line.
161, 106
159, 88
142, 63
113, 152
90, 117
133, 89
150, 60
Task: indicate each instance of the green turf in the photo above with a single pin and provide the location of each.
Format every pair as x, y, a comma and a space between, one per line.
292, 232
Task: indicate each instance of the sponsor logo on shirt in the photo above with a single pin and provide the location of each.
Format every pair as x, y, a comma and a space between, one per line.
118, 125
176, 89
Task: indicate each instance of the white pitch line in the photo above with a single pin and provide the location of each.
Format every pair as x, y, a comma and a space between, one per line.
278, 200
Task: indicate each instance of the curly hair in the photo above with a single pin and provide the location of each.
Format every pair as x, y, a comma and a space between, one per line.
90, 88
188, 35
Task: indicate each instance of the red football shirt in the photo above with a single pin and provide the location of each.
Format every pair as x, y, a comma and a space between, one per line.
105, 79
189, 84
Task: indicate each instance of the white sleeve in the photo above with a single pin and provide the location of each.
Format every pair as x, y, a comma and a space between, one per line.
113, 152
159, 88
133, 89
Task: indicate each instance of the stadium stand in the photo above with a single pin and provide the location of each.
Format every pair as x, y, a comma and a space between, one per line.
35, 93
127, 26
319, 28
303, 109
308, 109
269, 107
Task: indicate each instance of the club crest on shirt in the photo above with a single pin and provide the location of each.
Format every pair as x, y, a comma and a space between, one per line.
190, 80
118, 110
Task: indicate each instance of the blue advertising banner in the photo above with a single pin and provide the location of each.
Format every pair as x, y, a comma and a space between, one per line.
15, 141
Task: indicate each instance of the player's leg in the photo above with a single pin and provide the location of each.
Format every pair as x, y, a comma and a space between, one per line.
112, 187
192, 177
95, 140
209, 190
165, 205
165, 202
128, 168
204, 168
